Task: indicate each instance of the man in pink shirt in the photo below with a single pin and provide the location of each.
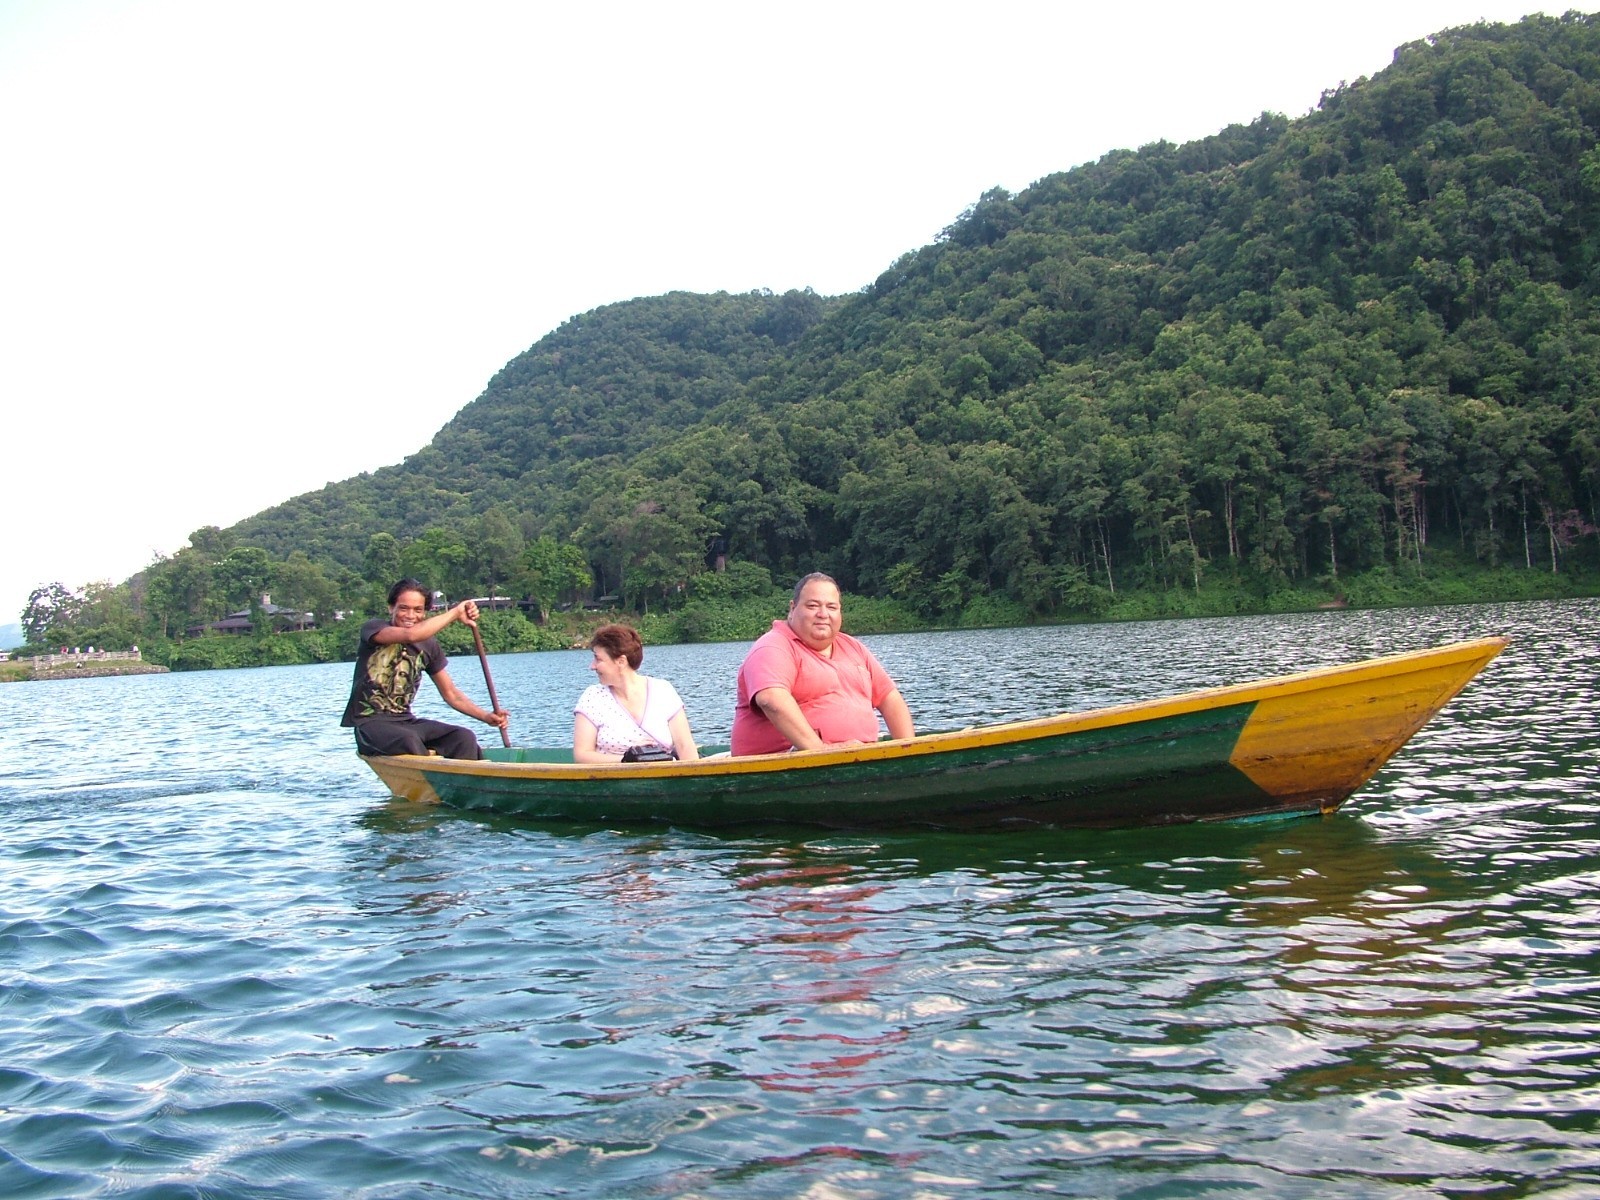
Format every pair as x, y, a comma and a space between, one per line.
806, 684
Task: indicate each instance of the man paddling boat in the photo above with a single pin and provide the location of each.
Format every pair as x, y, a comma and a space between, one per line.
390, 662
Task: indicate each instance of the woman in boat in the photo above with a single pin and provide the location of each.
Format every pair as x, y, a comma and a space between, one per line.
627, 709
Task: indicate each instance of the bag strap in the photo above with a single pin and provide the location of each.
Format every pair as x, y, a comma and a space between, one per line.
636, 722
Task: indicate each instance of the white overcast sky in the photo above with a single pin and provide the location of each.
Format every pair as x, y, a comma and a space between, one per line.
249, 248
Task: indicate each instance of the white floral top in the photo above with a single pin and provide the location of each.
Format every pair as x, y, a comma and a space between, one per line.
615, 730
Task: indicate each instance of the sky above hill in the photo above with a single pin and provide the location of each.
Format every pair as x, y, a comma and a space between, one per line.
248, 249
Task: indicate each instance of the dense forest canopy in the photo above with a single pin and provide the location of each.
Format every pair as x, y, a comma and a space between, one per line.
1288, 353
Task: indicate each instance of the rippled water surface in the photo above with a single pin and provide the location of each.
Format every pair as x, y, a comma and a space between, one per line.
230, 966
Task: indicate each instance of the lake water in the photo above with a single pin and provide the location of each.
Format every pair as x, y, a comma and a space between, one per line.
231, 966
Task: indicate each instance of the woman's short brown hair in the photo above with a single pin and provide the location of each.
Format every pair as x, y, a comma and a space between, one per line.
620, 641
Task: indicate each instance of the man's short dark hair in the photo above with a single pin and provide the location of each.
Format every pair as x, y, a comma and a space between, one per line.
409, 584
814, 577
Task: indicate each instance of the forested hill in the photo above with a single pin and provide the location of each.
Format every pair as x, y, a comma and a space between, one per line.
601, 389
1291, 351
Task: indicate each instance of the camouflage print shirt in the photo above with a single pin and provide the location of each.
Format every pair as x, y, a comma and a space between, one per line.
387, 676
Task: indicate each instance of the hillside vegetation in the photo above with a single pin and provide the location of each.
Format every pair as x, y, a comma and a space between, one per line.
1299, 361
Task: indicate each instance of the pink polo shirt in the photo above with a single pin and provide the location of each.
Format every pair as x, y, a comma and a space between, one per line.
839, 695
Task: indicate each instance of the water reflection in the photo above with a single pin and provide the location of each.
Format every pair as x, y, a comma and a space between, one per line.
1334, 867
818, 932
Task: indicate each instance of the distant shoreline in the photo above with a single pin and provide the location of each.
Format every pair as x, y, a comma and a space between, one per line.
747, 617
21, 671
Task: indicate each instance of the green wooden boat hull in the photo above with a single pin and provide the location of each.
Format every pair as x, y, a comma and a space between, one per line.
1295, 744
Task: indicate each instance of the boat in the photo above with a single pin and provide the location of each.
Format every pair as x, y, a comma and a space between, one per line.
1296, 744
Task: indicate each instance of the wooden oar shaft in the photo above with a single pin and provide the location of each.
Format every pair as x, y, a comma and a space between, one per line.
494, 701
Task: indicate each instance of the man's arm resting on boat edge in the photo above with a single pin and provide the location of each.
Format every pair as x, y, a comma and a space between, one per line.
783, 710
897, 715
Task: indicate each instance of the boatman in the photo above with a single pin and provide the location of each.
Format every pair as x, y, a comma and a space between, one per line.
390, 662
806, 684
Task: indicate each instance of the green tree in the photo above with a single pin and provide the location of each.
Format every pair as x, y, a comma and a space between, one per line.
50, 612
301, 585
106, 617
211, 542
652, 540
241, 576
183, 586
439, 557
496, 547
381, 561
159, 600
550, 573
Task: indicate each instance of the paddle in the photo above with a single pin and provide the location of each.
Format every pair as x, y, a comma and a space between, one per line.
494, 701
